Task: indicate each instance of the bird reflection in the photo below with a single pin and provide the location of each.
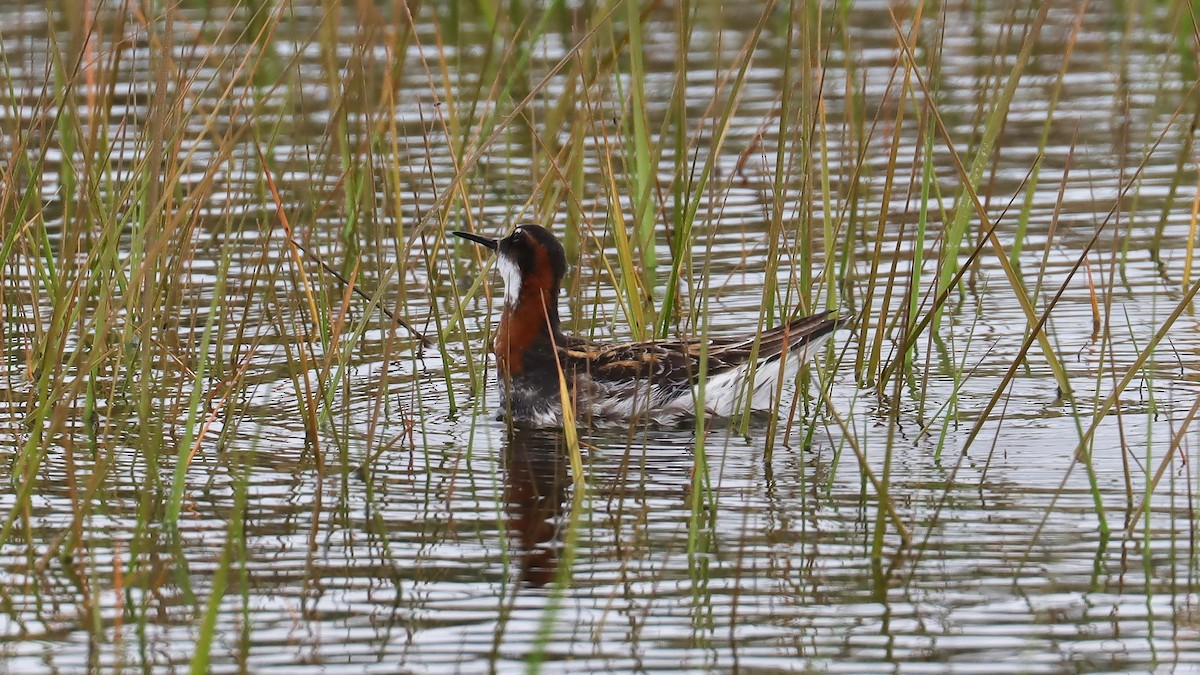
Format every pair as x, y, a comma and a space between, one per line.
535, 492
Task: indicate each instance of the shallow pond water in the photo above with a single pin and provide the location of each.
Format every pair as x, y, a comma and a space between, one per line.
383, 520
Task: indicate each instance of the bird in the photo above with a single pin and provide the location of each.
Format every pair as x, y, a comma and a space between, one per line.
617, 383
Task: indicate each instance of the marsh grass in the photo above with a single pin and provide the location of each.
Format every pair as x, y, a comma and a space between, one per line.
193, 199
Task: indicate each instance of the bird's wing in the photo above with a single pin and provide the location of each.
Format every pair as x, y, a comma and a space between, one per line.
789, 336
660, 362
678, 361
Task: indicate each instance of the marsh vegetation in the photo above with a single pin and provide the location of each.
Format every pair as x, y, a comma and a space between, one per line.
249, 422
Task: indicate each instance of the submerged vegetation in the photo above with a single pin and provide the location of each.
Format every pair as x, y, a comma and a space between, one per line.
247, 400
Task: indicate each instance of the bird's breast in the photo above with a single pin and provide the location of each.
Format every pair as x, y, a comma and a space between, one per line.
516, 335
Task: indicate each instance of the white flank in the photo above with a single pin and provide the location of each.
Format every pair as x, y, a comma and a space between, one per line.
511, 274
726, 393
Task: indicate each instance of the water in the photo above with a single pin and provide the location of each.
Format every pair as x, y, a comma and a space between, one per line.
412, 533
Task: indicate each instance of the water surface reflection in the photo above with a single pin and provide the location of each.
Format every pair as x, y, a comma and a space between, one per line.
536, 479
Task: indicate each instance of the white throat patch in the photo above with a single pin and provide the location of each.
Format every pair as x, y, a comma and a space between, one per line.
511, 274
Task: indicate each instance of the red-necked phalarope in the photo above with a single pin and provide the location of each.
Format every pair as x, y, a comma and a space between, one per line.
620, 382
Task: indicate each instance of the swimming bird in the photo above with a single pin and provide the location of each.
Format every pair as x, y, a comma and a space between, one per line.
615, 383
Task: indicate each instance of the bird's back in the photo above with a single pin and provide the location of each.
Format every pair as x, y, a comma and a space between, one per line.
658, 379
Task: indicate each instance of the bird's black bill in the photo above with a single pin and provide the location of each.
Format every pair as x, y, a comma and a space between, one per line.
482, 241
